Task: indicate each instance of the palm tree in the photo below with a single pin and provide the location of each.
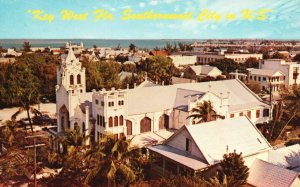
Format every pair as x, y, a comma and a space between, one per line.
204, 112
7, 134
112, 161
72, 138
292, 101
29, 109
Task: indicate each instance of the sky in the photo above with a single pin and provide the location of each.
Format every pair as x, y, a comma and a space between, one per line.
282, 23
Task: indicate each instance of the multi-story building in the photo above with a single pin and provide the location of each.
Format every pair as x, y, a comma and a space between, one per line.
271, 80
141, 110
206, 58
291, 70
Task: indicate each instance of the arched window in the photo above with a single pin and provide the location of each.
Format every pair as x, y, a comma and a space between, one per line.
116, 121
98, 119
83, 127
110, 122
76, 125
78, 79
71, 79
145, 125
103, 121
121, 120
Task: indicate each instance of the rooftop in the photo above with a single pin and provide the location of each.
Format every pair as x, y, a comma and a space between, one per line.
229, 135
179, 156
264, 174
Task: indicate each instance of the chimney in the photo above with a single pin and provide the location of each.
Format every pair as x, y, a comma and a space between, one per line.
127, 86
134, 85
87, 123
163, 83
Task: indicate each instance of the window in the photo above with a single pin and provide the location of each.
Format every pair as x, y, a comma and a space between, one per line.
116, 121
97, 102
121, 102
98, 136
264, 78
78, 79
83, 127
71, 79
98, 119
76, 125
121, 135
241, 114
187, 144
249, 114
257, 113
231, 115
103, 121
259, 79
111, 103
102, 103
115, 136
121, 120
110, 122
250, 77
266, 112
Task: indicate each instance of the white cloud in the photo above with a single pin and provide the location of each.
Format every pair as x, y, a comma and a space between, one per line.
153, 2
125, 7
142, 4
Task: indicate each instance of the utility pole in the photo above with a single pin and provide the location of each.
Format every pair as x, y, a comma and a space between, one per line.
34, 146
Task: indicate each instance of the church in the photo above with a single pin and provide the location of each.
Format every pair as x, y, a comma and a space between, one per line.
147, 108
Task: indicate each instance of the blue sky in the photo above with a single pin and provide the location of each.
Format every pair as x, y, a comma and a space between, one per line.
282, 23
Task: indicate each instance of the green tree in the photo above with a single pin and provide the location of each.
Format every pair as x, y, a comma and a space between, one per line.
297, 58
94, 80
26, 47
160, 68
227, 65
132, 48
204, 112
254, 86
292, 103
112, 162
235, 170
109, 71
252, 63
23, 88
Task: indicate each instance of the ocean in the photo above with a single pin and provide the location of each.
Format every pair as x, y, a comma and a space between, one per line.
149, 44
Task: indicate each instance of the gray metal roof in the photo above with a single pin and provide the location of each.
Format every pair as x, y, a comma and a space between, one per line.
179, 156
264, 174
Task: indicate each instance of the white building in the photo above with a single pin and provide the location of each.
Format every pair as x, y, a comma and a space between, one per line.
291, 70
181, 60
131, 112
201, 147
206, 58
273, 79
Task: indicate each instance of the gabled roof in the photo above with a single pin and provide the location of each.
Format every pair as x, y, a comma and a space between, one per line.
147, 83
287, 157
124, 74
162, 53
179, 156
183, 96
215, 138
203, 69
144, 99
264, 174
265, 72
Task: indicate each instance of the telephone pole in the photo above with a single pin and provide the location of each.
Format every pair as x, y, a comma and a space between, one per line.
34, 146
